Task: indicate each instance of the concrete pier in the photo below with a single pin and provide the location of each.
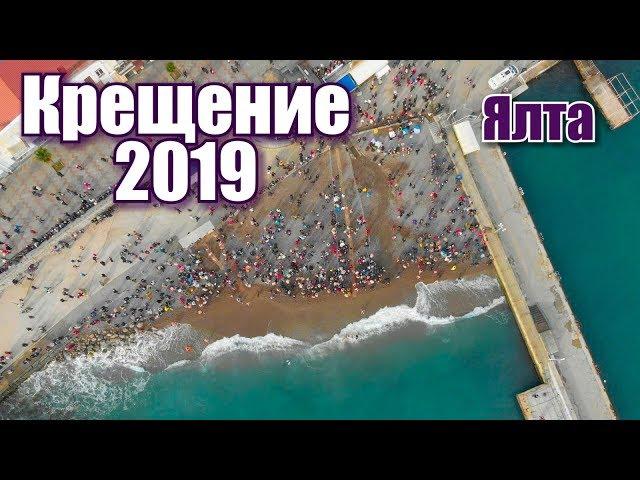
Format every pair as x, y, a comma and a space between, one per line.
603, 94
548, 401
514, 295
574, 389
541, 403
537, 70
532, 73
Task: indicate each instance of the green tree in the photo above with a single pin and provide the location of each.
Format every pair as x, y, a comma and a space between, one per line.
43, 154
171, 67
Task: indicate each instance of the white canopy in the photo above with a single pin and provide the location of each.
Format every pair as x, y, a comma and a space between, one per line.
196, 235
362, 70
466, 137
382, 72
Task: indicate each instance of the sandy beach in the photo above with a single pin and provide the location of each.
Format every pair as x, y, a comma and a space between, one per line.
307, 319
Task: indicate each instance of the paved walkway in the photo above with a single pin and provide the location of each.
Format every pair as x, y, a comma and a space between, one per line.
537, 69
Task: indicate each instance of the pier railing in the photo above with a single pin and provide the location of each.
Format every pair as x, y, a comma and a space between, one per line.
625, 93
615, 97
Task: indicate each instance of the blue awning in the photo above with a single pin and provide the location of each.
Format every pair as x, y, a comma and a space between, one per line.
348, 82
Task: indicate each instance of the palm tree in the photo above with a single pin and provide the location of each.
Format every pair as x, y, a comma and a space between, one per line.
43, 154
171, 67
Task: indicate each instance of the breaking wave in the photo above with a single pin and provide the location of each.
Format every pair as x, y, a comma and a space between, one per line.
178, 364
93, 386
255, 345
428, 310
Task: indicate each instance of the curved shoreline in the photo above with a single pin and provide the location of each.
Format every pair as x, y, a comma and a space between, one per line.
304, 318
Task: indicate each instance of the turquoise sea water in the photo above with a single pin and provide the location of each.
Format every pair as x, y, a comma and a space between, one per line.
584, 201
471, 370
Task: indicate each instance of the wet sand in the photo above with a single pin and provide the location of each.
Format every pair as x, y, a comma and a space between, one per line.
303, 318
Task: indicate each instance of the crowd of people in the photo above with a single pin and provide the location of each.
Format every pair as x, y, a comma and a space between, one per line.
323, 71
87, 202
303, 246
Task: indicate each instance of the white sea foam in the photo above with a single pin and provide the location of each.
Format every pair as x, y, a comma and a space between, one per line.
84, 386
257, 345
178, 364
136, 368
388, 319
433, 298
87, 383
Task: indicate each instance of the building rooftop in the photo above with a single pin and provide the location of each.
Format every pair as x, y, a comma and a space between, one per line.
11, 82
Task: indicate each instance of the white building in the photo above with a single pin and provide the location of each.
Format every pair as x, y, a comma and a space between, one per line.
13, 148
99, 72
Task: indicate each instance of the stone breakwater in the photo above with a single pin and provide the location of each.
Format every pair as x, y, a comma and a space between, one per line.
103, 340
